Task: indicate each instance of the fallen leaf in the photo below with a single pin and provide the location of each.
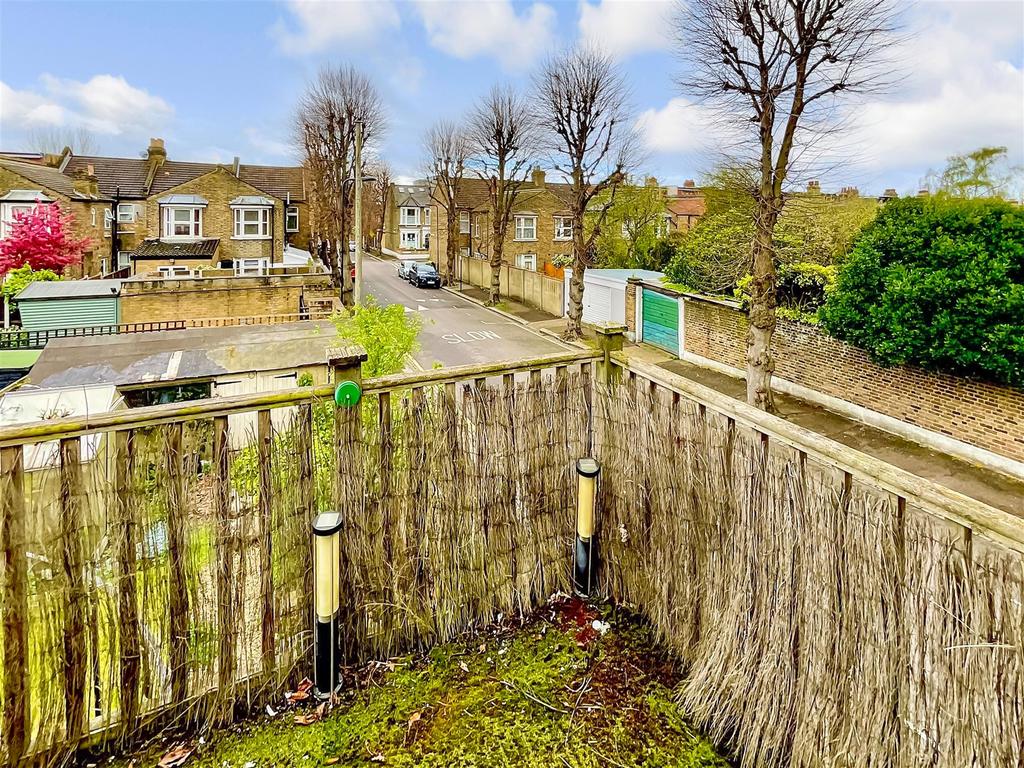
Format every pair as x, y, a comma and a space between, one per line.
307, 719
414, 718
179, 755
331, 760
464, 666
296, 696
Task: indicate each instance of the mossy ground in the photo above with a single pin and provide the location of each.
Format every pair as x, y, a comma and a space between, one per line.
544, 691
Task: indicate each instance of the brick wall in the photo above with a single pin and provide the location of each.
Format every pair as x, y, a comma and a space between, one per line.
984, 415
160, 300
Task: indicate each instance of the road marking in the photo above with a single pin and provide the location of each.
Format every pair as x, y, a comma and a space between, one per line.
470, 337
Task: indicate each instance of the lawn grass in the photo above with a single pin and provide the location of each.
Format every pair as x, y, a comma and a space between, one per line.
548, 690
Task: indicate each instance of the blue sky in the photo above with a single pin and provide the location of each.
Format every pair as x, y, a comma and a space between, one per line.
218, 79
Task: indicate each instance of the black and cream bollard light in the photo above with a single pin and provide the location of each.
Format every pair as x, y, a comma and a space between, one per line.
326, 567
585, 556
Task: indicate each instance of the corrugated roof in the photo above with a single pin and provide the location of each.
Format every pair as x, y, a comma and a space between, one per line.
193, 353
70, 289
174, 249
45, 176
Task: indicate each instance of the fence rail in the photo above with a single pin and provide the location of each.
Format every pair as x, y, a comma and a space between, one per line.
157, 571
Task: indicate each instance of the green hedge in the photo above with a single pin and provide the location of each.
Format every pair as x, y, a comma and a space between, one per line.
937, 282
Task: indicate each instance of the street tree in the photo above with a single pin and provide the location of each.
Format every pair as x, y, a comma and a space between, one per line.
583, 110
503, 133
981, 173
376, 211
447, 150
42, 239
54, 139
633, 226
334, 102
776, 70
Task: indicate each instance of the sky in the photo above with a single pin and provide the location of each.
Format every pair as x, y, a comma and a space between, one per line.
218, 79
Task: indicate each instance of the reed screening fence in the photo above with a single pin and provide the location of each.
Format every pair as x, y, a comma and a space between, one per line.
831, 610
157, 570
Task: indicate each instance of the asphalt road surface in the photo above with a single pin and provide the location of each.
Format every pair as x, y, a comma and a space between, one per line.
455, 330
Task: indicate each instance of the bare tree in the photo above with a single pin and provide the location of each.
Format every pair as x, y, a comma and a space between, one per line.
447, 150
776, 69
333, 103
504, 136
55, 139
583, 107
376, 212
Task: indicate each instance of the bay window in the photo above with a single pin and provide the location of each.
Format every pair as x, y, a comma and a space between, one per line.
410, 217
183, 222
252, 223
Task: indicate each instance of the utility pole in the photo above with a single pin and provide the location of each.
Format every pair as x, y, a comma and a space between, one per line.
357, 286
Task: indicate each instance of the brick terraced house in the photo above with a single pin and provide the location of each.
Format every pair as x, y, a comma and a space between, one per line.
407, 225
158, 216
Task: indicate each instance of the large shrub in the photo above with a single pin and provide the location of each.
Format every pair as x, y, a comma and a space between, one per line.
937, 282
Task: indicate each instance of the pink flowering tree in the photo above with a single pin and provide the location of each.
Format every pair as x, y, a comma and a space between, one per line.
42, 239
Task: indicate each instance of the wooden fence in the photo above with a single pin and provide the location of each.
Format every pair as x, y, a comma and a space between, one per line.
525, 285
832, 610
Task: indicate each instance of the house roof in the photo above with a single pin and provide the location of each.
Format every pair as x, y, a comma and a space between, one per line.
419, 198
192, 353
26, 196
70, 289
473, 193
45, 176
252, 200
173, 249
183, 200
130, 175
686, 206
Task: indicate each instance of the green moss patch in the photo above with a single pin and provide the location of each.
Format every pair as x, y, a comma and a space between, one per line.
547, 690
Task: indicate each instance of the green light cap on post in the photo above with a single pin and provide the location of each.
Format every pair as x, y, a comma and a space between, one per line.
347, 394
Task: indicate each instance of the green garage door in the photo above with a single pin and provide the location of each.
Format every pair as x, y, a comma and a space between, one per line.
661, 321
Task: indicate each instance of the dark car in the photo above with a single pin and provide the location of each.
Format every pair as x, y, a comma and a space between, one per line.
424, 276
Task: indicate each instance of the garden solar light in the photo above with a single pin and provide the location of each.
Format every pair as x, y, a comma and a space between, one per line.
585, 556
326, 570
347, 394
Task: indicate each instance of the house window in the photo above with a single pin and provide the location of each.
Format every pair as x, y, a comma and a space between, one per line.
125, 213
527, 261
107, 218
463, 222
124, 259
410, 217
250, 267
103, 266
291, 219
563, 227
173, 273
8, 218
426, 217
410, 240
92, 216
526, 227
252, 223
183, 222
426, 240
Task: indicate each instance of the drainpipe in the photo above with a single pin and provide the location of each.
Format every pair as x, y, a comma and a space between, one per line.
113, 231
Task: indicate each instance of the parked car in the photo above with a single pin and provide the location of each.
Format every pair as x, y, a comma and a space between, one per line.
424, 276
404, 265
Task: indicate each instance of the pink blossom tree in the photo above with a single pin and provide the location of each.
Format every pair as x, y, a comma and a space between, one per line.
42, 239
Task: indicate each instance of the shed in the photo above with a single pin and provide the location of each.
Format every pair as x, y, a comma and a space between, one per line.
69, 304
604, 293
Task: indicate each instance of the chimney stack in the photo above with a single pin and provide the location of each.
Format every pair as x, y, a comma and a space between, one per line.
923, 193
537, 177
889, 194
86, 183
235, 166
814, 187
651, 181
689, 184
156, 156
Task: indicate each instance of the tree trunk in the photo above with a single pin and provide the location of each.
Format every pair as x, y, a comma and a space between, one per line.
574, 326
452, 245
497, 251
762, 320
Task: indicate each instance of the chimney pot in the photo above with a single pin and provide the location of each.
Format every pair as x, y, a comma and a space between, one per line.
922, 193
689, 184
891, 192
537, 177
236, 165
90, 170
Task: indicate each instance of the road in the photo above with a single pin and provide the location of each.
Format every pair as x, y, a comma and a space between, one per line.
455, 330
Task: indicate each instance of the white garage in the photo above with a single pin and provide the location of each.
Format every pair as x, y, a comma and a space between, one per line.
604, 293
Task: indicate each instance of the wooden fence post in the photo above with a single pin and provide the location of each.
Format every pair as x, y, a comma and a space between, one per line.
609, 339
304, 510
226, 626
264, 451
14, 604
76, 656
177, 584
127, 583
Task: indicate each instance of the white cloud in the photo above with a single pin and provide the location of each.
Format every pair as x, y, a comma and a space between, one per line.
470, 29
680, 126
406, 75
625, 27
105, 104
267, 146
319, 24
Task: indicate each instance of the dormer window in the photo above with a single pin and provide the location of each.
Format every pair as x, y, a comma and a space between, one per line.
410, 216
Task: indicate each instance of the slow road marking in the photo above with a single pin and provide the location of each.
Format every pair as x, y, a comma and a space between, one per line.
468, 337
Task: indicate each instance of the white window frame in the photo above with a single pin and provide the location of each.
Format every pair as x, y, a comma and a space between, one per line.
262, 222
103, 267
525, 228
254, 267
108, 217
7, 215
174, 272
195, 222
124, 259
410, 216
426, 217
290, 213
92, 217
563, 228
463, 222
415, 239
127, 213
527, 261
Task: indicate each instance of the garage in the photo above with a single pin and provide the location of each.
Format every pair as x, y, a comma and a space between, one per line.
660, 321
604, 293
45, 306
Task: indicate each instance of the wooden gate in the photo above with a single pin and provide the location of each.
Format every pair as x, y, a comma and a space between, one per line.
661, 321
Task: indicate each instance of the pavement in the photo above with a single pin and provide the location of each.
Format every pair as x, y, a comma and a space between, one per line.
456, 329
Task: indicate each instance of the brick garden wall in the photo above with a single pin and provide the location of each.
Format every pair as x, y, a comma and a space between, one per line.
984, 415
159, 300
